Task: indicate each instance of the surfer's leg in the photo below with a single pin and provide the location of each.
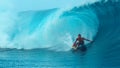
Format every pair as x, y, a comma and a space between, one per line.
77, 44
82, 44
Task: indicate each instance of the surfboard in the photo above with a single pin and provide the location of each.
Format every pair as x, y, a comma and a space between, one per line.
74, 47
81, 48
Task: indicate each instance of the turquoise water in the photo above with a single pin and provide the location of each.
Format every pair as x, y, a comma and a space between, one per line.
42, 58
43, 39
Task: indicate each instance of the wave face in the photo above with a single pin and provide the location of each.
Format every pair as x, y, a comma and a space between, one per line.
107, 44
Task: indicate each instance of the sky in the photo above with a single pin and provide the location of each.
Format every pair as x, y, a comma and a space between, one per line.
24, 5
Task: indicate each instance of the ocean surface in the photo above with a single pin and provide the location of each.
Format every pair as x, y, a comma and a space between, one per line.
43, 39
43, 58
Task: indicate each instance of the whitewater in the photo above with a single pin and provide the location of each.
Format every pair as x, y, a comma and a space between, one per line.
37, 39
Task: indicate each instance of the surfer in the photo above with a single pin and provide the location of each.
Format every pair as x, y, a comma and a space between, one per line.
80, 41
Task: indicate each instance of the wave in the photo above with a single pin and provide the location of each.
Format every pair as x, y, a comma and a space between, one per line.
107, 39
55, 28
58, 28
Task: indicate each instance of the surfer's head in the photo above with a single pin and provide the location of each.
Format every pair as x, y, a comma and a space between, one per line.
79, 35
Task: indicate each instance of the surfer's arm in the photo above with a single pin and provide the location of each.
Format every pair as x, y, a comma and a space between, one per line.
88, 40
76, 40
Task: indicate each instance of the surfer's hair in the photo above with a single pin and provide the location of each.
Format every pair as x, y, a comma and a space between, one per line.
79, 34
